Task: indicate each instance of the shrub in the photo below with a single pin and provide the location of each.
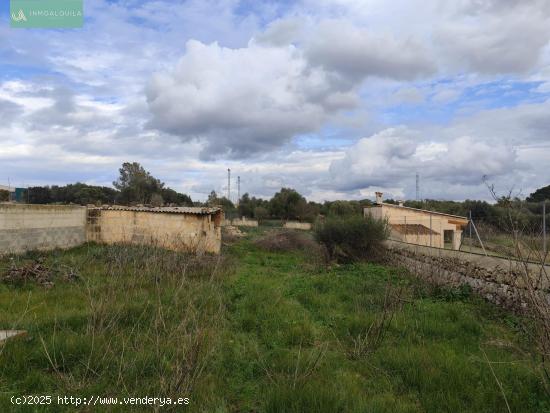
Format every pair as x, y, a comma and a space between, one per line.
352, 238
4, 195
261, 213
285, 240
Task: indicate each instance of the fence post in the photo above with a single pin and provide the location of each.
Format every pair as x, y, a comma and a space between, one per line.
544, 250
479, 238
431, 243
470, 228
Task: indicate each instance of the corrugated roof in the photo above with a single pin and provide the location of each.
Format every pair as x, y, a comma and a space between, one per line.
413, 229
166, 210
420, 210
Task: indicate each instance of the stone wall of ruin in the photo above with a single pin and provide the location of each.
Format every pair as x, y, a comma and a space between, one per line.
499, 280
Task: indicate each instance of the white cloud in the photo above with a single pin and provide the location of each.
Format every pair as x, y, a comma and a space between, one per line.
408, 95
331, 69
243, 101
445, 95
526, 123
391, 157
493, 37
356, 53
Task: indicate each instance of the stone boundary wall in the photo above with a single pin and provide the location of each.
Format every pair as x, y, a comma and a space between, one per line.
244, 222
499, 280
40, 227
306, 226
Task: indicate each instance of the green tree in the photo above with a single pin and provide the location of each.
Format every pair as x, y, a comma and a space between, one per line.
136, 185
157, 200
540, 194
77, 193
40, 195
4, 195
261, 213
248, 205
228, 207
289, 204
173, 197
212, 199
343, 209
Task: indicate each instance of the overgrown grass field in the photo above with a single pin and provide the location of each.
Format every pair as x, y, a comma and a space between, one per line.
258, 329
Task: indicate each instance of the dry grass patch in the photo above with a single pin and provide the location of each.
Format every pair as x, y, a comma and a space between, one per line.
286, 240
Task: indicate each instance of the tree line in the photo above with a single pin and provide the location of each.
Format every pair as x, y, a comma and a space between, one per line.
526, 214
289, 204
136, 186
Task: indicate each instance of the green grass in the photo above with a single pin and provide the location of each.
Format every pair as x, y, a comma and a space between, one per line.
257, 331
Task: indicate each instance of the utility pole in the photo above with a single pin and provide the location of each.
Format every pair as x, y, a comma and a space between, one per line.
229, 184
238, 190
417, 186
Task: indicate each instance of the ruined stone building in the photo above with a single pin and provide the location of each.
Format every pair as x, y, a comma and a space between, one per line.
190, 229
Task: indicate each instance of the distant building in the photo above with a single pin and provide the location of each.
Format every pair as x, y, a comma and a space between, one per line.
419, 226
20, 194
16, 194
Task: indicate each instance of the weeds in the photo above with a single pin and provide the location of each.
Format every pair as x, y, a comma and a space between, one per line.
370, 340
285, 241
254, 331
305, 365
537, 297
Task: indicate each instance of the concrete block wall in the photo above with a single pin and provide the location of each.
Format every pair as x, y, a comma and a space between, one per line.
40, 227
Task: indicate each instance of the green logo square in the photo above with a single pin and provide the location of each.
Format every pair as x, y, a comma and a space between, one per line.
47, 14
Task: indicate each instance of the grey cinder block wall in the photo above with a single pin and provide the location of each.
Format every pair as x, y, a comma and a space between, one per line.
41, 227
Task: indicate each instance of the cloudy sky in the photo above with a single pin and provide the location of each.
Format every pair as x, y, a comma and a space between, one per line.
336, 98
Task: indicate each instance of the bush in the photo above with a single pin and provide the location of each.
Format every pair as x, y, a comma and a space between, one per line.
4, 195
352, 238
285, 240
